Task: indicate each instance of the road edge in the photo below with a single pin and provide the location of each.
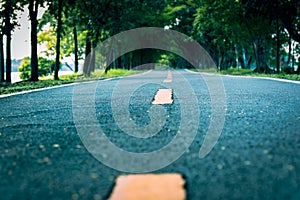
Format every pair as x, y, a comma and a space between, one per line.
67, 85
239, 76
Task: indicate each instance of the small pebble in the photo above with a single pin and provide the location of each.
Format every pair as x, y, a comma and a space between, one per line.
219, 166
46, 159
290, 167
75, 196
97, 197
56, 145
266, 151
94, 176
247, 162
82, 191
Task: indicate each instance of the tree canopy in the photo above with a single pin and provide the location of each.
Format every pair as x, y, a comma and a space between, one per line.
259, 34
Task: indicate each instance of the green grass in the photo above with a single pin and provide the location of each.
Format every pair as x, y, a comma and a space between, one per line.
208, 70
114, 73
295, 77
248, 72
28, 85
8, 88
235, 71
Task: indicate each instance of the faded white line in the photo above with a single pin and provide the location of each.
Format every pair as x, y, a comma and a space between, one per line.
266, 78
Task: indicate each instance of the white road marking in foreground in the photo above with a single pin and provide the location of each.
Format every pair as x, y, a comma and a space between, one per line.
149, 187
163, 96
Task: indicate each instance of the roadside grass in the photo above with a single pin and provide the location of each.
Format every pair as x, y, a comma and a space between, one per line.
114, 73
208, 70
238, 72
8, 88
249, 72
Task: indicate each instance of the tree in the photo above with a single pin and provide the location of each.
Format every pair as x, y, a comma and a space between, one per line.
230, 32
93, 15
1, 59
139, 13
58, 38
179, 15
218, 26
1, 47
33, 12
282, 15
9, 19
71, 37
287, 11
46, 67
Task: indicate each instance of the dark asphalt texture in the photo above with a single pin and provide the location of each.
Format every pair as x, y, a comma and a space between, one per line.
256, 157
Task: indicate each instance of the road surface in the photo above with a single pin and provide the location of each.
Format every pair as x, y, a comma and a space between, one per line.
256, 157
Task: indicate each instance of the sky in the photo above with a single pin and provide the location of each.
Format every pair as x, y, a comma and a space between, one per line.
21, 36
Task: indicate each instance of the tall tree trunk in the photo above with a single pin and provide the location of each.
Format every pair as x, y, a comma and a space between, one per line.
255, 56
249, 62
58, 36
298, 69
88, 49
110, 57
92, 62
277, 46
75, 48
236, 56
290, 50
92, 65
141, 56
259, 55
7, 31
8, 57
130, 60
1, 59
33, 10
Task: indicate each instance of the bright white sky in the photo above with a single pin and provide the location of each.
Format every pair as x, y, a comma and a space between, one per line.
21, 36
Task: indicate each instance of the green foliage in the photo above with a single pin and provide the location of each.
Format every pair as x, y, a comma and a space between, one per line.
248, 72
114, 73
7, 88
235, 71
244, 33
46, 67
164, 60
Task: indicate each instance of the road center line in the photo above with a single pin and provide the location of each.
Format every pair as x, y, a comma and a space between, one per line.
163, 96
169, 77
149, 187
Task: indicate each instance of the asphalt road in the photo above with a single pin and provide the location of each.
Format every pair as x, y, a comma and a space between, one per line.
256, 157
